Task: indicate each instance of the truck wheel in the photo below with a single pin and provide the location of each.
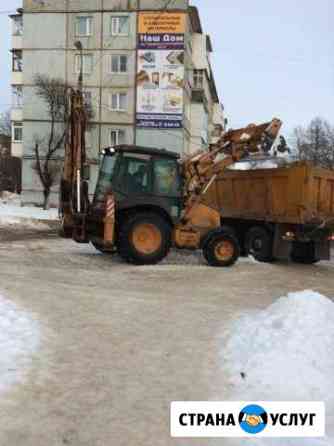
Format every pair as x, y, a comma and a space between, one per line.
144, 239
221, 250
259, 244
304, 253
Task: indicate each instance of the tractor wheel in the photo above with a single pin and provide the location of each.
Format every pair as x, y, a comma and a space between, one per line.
304, 253
259, 244
221, 250
144, 239
229, 230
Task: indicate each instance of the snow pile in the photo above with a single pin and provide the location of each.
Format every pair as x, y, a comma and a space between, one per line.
285, 353
19, 339
259, 164
9, 197
13, 215
28, 212
6, 221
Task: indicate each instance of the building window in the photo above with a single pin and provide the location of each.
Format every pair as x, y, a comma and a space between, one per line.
118, 101
17, 60
87, 95
18, 25
198, 79
118, 64
17, 132
117, 137
17, 96
88, 139
120, 26
83, 26
87, 63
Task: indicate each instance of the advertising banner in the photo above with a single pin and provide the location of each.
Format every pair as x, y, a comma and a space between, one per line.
160, 74
158, 30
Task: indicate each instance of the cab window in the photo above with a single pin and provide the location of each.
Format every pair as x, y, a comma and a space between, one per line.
166, 178
135, 173
105, 178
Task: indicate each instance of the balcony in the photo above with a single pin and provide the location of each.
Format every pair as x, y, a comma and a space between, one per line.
17, 67
17, 42
17, 31
198, 79
197, 87
17, 114
17, 78
17, 149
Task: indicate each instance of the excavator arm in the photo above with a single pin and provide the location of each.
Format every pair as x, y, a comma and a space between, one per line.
73, 188
202, 169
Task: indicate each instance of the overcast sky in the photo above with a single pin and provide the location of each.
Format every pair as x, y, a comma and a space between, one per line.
270, 58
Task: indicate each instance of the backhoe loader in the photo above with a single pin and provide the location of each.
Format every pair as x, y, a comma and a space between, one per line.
149, 200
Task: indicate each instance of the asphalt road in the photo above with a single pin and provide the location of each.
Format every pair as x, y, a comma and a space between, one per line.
119, 343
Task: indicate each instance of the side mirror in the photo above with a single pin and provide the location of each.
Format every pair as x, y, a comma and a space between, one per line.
86, 172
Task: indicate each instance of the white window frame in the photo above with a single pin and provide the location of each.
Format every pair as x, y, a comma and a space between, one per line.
88, 98
119, 56
88, 26
118, 100
17, 96
17, 61
77, 63
198, 79
88, 139
115, 25
17, 125
117, 133
17, 25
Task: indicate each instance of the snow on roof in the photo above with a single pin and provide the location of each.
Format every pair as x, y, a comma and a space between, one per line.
284, 353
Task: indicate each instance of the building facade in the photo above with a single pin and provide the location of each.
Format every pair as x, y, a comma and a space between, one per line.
146, 74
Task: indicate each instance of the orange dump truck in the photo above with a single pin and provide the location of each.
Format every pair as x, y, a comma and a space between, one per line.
278, 212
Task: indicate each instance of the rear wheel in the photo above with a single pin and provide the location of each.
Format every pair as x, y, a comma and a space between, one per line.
259, 244
144, 239
221, 250
304, 253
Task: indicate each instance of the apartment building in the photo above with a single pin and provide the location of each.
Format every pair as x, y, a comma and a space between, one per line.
146, 73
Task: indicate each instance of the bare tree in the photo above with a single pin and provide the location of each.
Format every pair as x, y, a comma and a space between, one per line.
5, 123
49, 150
316, 142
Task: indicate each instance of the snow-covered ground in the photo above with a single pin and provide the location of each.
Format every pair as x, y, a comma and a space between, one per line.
116, 337
12, 214
19, 339
284, 353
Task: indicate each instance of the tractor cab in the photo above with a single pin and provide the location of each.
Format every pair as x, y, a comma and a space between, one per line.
140, 177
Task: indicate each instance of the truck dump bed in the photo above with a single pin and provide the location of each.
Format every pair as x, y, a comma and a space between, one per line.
299, 193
